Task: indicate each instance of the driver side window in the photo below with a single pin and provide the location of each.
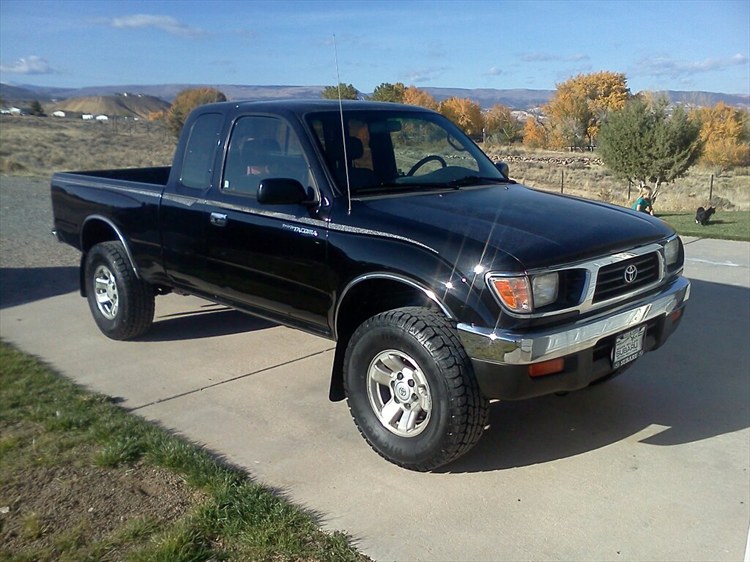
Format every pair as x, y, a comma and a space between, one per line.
262, 147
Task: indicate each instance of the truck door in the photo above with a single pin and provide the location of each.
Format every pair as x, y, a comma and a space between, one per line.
268, 259
184, 208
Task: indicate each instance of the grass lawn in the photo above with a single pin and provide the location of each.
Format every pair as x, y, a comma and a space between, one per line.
82, 480
727, 225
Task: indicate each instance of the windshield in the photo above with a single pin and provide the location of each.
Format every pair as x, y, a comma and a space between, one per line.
391, 151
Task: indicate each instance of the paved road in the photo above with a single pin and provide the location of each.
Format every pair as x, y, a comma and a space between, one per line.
650, 466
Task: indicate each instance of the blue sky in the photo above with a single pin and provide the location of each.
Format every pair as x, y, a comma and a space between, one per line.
658, 45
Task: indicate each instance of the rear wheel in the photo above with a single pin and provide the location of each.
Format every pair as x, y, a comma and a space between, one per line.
121, 303
411, 389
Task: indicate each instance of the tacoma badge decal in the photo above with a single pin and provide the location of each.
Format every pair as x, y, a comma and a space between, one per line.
300, 230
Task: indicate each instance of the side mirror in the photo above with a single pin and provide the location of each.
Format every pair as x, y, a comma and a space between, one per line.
503, 167
282, 191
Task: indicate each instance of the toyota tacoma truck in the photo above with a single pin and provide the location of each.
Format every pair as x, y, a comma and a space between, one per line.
386, 229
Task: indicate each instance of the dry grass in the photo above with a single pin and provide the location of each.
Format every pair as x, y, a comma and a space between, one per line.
582, 174
39, 146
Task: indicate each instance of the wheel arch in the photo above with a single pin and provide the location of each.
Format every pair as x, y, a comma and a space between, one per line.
95, 230
366, 296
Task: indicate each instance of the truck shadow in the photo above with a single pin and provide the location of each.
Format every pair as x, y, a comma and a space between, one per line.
695, 387
24, 285
210, 320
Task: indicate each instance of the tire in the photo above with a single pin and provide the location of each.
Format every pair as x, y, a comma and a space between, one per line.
121, 303
411, 389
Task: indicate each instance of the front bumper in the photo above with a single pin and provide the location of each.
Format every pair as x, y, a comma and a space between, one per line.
501, 358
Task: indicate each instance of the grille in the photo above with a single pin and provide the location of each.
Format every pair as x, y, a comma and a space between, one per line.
611, 282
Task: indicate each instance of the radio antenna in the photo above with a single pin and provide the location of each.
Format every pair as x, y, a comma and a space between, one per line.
343, 130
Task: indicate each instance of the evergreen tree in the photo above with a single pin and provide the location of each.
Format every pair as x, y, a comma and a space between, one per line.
389, 92
347, 91
36, 109
644, 143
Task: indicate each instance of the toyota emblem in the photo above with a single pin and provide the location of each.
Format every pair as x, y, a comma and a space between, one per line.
631, 272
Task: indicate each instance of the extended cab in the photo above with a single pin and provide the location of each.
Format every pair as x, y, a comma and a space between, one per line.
384, 228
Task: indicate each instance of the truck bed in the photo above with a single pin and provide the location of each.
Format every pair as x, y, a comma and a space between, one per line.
156, 175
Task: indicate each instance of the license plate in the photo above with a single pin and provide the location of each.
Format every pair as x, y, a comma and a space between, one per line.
628, 347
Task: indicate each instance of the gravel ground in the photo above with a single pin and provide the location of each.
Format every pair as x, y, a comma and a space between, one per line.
33, 264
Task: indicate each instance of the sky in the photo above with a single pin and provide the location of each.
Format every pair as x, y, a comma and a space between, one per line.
687, 45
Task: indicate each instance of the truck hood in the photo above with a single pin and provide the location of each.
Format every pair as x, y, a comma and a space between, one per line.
510, 227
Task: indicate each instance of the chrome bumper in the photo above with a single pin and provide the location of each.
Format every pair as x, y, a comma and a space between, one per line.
521, 348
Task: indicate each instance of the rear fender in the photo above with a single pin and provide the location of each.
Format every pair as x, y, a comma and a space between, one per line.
97, 229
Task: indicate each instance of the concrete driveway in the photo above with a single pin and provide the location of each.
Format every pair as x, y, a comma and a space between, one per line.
650, 466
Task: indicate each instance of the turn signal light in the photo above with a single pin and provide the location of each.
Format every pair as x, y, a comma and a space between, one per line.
514, 292
546, 367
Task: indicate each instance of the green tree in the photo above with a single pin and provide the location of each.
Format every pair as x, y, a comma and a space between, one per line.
36, 109
643, 143
347, 92
389, 92
185, 102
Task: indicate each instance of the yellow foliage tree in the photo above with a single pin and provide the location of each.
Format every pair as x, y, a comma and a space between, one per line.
724, 135
580, 104
500, 122
534, 134
415, 96
185, 102
464, 113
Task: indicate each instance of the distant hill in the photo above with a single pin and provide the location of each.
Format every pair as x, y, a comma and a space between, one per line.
119, 105
518, 99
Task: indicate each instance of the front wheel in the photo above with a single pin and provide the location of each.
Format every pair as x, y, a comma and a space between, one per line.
121, 303
411, 389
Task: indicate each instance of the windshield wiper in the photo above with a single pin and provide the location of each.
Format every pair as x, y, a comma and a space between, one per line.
476, 180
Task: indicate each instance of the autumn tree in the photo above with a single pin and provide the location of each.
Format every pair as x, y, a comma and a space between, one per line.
500, 123
389, 92
185, 102
724, 135
579, 105
415, 96
644, 143
534, 134
342, 91
464, 113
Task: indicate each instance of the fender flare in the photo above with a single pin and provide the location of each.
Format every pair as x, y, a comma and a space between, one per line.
117, 232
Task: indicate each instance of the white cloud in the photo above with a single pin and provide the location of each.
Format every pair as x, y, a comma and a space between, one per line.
552, 57
165, 23
671, 68
28, 65
422, 75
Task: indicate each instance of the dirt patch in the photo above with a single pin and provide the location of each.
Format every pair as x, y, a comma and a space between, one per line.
43, 507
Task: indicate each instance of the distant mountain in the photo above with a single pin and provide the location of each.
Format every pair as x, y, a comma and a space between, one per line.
518, 99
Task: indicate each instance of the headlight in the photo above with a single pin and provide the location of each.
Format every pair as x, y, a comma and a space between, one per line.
544, 289
523, 294
672, 251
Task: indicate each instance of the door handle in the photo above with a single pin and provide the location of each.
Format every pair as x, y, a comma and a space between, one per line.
218, 219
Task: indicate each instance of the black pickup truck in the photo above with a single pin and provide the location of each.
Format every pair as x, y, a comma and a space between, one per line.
385, 228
